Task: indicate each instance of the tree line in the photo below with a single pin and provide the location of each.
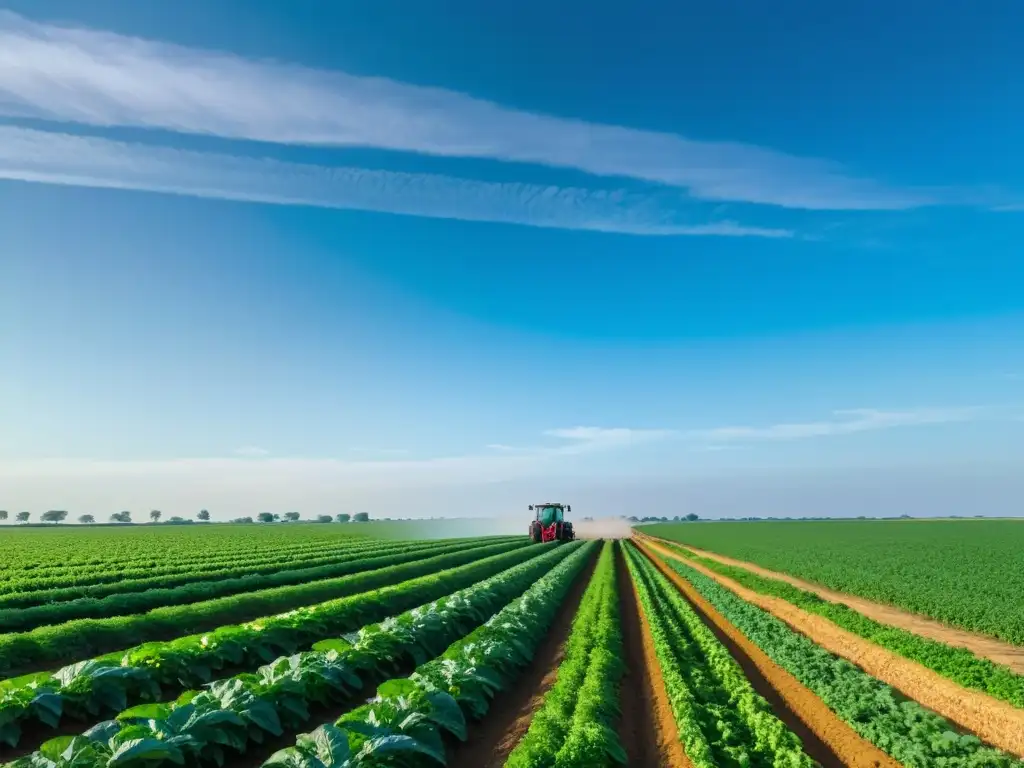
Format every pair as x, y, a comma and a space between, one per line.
60, 515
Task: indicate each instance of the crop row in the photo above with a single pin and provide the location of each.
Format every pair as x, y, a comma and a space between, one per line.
969, 574
913, 735
86, 550
721, 719
84, 638
406, 722
23, 591
123, 604
574, 725
100, 687
957, 664
235, 713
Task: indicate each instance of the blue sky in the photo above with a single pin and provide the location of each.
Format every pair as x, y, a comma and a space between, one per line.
441, 258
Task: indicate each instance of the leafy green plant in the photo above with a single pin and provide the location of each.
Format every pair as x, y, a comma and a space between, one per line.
722, 721
83, 638
279, 695
968, 574
121, 604
65, 588
152, 670
913, 735
573, 725
957, 664
404, 724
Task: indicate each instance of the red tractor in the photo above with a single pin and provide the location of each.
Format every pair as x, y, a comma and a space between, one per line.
549, 523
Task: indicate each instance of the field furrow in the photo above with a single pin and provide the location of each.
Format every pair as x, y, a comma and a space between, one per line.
83, 638
721, 720
247, 712
18, 620
913, 735
102, 687
112, 582
408, 721
955, 663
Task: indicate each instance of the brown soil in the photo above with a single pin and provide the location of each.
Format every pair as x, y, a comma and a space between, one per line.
825, 737
998, 651
493, 738
647, 727
993, 721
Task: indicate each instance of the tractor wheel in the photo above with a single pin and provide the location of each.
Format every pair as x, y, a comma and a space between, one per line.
535, 532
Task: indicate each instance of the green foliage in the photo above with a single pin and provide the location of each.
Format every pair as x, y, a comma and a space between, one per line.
573, 726
913, 735
722, 721
969, 573
234, 713
404, 723
84, 638
958, 664
55, 606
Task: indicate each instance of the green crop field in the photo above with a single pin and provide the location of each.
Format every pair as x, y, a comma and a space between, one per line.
967, 573
386, 646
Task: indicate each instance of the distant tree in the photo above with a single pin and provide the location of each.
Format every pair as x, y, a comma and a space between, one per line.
175, 520
86, 519
265, 517
675, 519
22, 517
242, 520
3, 514
276, 517
343, 517
361, 517
121, 517
203, 515
155, 515
692, 516
291, 516
324, 518
632, 519
54, 516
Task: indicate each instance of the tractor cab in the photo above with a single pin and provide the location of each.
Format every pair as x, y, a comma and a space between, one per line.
549, 523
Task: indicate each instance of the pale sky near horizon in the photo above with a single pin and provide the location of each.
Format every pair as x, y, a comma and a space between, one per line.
446, 259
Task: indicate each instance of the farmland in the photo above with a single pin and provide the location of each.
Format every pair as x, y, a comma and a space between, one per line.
343, 646
969, 574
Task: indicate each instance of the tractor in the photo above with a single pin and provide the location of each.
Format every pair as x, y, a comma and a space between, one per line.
549, 523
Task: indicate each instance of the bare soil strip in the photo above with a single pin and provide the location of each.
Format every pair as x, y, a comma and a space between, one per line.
647, 727
993, 721
493, 738
990, 648
825, 737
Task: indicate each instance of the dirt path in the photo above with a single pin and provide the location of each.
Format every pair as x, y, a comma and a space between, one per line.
990, 648
508, 718
647, 727
826, 738
993, 721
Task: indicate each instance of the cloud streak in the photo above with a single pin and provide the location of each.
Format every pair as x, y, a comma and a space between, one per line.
60, 158
844, 422
104, 79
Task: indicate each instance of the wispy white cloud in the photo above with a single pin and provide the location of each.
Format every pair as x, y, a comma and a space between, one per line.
59, 158
252, 451
586, 439
843, 422
104, 79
